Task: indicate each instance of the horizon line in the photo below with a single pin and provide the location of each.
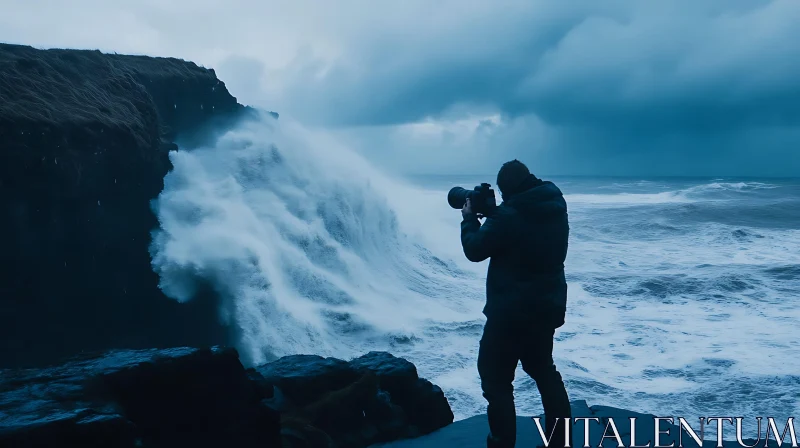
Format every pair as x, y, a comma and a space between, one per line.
659, 176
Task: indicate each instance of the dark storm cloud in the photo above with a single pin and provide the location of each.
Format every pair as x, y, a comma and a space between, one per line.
574, 87
593, 151
646, 66
647, 88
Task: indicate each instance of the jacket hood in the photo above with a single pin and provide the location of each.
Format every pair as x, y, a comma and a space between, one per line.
543, 198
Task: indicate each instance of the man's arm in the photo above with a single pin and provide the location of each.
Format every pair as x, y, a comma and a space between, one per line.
482, 241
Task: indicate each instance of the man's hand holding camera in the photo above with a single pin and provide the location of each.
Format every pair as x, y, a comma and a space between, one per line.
478, 202
466, 210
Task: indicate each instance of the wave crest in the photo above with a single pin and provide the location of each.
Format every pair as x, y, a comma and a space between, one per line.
300, 241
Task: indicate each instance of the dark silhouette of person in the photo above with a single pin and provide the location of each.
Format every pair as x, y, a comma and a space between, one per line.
525, 239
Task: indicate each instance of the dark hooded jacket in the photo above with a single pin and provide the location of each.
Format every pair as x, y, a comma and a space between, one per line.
526, 240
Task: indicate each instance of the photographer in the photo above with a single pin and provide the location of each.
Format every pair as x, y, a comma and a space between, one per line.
526, 295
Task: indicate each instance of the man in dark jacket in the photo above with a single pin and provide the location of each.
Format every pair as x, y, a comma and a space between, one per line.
526, 297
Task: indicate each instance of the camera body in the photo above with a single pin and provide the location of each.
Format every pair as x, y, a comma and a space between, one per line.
481, 198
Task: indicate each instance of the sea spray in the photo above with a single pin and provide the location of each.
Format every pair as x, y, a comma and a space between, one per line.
301, 241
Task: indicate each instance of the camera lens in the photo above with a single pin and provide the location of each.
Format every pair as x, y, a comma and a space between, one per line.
457, 197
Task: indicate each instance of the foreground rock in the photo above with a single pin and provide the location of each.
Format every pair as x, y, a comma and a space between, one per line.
84, 141
150, 398
374, 398
471, 432
206, 398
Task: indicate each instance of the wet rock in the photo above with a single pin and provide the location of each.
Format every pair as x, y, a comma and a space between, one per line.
373, 398
205, 398
424, 403
305, 378
147, 398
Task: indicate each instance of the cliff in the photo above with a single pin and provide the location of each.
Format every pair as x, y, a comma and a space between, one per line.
84, 141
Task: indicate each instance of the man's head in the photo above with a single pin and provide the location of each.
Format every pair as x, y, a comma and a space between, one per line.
513, 178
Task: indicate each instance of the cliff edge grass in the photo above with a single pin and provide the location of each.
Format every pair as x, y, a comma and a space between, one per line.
84, 91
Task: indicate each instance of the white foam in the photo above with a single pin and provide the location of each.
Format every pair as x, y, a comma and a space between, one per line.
289, 228
686, 195
627, 198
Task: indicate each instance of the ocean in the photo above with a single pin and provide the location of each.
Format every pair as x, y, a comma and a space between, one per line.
682, 295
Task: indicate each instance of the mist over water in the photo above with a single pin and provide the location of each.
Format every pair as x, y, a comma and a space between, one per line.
682, 292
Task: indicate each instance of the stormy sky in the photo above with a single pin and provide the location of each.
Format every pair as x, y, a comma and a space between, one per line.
580, 87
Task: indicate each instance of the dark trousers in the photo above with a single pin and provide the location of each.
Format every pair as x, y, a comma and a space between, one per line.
503, 345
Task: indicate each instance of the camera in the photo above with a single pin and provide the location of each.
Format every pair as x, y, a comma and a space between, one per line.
481, 198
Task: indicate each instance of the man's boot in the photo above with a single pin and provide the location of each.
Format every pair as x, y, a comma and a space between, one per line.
494, 442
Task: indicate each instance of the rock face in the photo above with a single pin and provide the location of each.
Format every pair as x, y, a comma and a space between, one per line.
328, 402
84, 140
205, 398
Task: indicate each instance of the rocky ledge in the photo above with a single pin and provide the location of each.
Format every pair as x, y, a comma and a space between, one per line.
599, 426
206, 398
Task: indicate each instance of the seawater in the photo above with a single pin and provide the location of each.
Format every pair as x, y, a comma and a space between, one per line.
683, 293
